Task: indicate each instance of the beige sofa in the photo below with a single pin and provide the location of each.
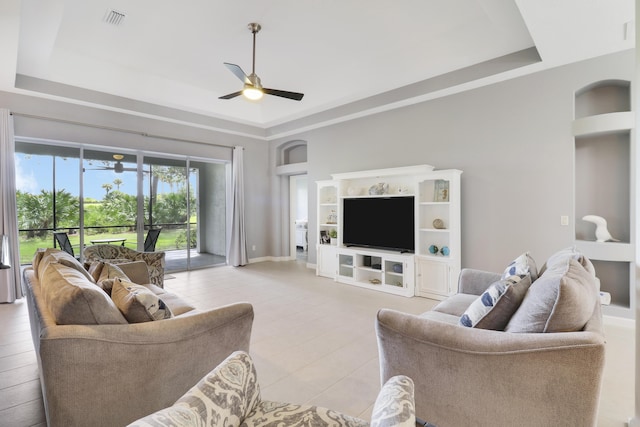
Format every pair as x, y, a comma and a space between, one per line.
97, 368
533, 356
230, 396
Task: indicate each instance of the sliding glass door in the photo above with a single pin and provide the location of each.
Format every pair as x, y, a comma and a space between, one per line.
110, 198
47, 196
115, 196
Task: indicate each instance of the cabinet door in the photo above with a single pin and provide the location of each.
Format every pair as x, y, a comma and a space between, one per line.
432, 279
327, 262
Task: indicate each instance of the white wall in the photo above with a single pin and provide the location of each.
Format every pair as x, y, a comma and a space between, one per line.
513, 141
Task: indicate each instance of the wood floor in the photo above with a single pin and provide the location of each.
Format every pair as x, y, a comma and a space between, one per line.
313, 342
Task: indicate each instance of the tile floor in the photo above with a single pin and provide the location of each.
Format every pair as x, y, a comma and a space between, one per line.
313, 341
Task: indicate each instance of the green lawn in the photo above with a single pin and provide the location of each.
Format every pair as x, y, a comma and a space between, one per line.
166, 241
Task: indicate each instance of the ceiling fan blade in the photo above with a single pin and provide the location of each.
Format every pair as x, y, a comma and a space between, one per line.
237, 71
231, 95
284, 94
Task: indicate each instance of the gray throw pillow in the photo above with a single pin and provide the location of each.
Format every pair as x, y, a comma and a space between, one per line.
494, 308
561, 300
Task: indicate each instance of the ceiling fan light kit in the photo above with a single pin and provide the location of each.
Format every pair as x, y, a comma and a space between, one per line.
253, 89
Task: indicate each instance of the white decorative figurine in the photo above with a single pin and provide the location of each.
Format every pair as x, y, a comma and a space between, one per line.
602, 234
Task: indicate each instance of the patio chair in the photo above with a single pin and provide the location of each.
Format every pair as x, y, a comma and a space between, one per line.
64, 242
151, 239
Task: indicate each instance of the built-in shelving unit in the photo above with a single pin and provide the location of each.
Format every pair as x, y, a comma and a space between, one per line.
327, 218
438, 240
437, 223
603, 130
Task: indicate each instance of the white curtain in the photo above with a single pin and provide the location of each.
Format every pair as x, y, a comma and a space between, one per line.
238, 241
10, 286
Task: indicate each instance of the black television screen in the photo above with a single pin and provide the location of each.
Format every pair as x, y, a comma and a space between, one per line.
379, 222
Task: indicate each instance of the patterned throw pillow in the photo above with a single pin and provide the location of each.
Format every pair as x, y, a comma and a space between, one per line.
108, 274
494, 308
520, 266
137, 303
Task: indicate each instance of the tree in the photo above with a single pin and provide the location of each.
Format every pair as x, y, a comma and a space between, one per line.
118, 208
117, 182
107, 187
36, 211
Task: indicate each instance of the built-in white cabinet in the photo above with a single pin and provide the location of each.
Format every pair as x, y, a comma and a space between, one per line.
377, 270
327, 224
431, 268
438, 239
604, 165
327, 262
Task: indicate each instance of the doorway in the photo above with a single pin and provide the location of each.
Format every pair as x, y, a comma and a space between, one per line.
298, 216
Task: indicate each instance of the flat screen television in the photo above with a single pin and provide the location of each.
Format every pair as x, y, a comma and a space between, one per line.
379, 222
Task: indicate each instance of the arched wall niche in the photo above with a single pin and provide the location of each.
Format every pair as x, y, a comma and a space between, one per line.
292, 152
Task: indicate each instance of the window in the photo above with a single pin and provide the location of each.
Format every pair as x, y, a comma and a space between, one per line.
124, 194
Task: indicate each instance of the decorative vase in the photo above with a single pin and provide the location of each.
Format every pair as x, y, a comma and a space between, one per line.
378, 189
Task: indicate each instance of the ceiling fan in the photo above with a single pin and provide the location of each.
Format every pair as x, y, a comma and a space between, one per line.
253, 89
118, 167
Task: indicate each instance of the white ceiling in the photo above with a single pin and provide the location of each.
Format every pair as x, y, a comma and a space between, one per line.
348, 57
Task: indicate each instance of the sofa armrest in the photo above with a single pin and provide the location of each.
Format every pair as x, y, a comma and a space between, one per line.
475, 282
541, 378
134, 369
395, 405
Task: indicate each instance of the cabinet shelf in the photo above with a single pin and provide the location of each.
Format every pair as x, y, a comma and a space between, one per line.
434, 203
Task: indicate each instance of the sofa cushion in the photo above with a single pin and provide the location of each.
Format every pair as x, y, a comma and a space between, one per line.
561, 300
108, 275
269, 413
455, 305
494, 308
56, 255
74, 300
521, 266
176, 304
439, 316
137, 303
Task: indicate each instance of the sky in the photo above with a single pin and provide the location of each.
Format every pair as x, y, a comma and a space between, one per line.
35, 172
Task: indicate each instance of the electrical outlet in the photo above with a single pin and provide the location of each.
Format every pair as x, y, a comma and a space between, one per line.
564, 220
253, 248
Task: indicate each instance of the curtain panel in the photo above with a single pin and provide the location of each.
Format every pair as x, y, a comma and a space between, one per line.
10, 286
237, 255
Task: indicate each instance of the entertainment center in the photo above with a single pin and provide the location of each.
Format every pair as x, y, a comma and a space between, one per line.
393, 230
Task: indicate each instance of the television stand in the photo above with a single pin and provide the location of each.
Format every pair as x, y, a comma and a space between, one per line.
380, 270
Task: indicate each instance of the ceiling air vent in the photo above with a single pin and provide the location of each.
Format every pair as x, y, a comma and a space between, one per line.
114, 17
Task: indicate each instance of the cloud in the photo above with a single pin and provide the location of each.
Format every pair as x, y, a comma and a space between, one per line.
25, 182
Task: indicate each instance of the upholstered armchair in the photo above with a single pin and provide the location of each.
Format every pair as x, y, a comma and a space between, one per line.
116, 254
230, 396
512, 375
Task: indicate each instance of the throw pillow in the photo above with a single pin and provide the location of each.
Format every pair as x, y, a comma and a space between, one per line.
95, 269
561, 300
562, 256
494, 308
56, 255
521, 266
73, 300
137, 303
108, 274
